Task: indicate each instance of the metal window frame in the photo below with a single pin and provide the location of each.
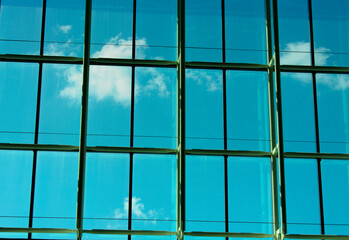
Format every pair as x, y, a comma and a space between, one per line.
276, 153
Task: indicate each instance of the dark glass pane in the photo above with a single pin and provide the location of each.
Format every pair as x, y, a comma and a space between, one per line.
204, 109
298, 112
64, 27
109, 106
245, 31
154, 192
55, 191
331, 24
247, 111
111, 31
249, 195
106, 191
205, 194
20, 26
156, 29
18, 99
335, 190
203, 30
302, 196
332, 97
60, 104
294, 32
155, 108
15, 186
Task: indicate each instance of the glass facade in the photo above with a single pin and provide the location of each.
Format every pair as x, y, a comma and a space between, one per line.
176, 119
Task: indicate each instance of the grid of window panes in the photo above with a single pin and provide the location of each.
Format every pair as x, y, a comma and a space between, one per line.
176, 119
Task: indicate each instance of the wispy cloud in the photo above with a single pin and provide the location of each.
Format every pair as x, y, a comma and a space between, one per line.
212, 80
138, 210
65, 28
109, 82
298, 53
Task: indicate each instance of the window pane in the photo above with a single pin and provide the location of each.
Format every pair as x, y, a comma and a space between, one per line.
109, 106
332, 96
245, 31
155, 108
18, 99
203, 30
331, 37
335, 188
20, 26
205, 194
298, 112
111, 30
154, 192
60, 104
156, 29
247, 111
294, 32
204, 109
249, 195
15, 173
302, 196
55, 191
64, 27
106, 191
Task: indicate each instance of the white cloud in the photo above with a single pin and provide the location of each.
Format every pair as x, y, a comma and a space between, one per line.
138, 210
115, 82
298, 53
65, 28
211, 80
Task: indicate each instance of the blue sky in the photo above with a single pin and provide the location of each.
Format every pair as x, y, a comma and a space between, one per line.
155, 119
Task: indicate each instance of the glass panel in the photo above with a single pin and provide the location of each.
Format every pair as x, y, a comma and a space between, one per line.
156, 29
155, 108
335, 189
111, 30
86, 236
247, 111
204, 109
294, 32
203, 30
332, 96
106, 191
298, 112
245, 31
302, 196
331, 24
64, 27
18, 98
109, 106
249, 195
60, 104
15, 173
20, 26
205, 194
55, 191
154, 192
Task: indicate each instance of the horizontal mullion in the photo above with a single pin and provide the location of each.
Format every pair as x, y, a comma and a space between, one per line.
338, 156
132, 62
129, 232
305, 236
314, 69
227, 153
233, 66
37, 230
43, 147
39, 59
132, 150
228, 234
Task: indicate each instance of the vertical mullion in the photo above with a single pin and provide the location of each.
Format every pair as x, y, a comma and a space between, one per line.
317, 134
279, 119
36, 137
225, 122
272, 126
83, 127
180, 118
130, 189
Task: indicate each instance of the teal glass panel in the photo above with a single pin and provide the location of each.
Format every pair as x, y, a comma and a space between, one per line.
18, 99
109, 106
106, 191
